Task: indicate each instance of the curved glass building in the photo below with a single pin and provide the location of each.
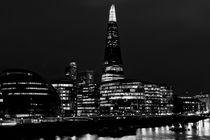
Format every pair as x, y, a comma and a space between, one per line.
24, 93
131, 97
122, 97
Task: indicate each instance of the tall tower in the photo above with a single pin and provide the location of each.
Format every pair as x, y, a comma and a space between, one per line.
113, 67
71, 71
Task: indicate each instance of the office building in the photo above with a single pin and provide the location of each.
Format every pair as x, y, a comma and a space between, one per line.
85, 77
113, 66
205, 98
122, 97
192, 105
130, 97
26, 94
66, 89
166, 100
158, 99
87, 100
71, 71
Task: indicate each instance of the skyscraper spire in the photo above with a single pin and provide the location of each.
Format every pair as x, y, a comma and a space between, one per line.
112, 14
113, 67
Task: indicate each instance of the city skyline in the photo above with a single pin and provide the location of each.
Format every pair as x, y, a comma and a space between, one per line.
148, 51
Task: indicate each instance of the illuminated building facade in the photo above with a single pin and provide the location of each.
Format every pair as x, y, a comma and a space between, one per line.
129, 97
85, 77
158, 99
113, 67
205, 98
25, 94
166, 100
153, 99
192, 105
122, 97
67, 91
87, 100
71, 71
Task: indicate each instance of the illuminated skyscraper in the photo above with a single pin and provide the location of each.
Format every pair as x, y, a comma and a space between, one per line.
121, 96
85, 77
71, 71
113, 67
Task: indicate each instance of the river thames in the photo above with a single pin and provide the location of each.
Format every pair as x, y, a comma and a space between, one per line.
196, 131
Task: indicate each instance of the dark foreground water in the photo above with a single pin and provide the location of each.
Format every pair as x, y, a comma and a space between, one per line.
200, 132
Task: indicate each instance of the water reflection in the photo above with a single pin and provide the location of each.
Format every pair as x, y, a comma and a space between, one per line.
199, 130
154, 133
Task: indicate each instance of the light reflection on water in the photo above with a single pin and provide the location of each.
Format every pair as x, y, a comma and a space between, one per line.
199, 130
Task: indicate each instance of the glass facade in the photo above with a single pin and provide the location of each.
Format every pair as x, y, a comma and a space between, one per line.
25, 94
87, 100
113, 67
205, 98
121, 97
85, 77
158, 100
71, 71
129, 97
66, 89
192, 105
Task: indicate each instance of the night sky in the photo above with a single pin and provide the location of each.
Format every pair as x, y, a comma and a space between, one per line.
161, 41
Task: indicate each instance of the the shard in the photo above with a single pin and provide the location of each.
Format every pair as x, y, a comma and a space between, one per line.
113, 66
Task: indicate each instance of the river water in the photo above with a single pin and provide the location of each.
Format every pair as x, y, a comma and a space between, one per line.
200, 131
